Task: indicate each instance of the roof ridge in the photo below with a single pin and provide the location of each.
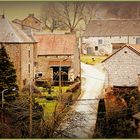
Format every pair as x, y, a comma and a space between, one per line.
116, 19
11, 33
126, 45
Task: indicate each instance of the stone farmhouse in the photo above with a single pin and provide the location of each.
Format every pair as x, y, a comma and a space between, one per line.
123, 67
20, 48
29, 23
55, 53
101, 35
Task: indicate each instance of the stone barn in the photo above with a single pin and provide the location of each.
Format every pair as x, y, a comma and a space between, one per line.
123, 67
21, 50
100, 34
57, 52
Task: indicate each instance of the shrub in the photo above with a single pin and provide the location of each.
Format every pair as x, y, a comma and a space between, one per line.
33, 89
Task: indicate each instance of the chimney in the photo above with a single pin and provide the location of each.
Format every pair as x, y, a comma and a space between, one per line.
31, 15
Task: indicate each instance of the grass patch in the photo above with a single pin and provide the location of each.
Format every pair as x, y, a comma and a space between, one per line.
49, 105
54, 90
89, 59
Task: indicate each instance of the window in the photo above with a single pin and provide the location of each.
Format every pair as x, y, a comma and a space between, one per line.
96, 48
29, 68
24, 82
100, 41
39, 74
137, 40
29, 53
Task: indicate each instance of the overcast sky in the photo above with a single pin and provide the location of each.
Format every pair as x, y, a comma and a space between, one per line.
20, 9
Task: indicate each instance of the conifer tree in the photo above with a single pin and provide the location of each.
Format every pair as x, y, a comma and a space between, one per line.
7, 74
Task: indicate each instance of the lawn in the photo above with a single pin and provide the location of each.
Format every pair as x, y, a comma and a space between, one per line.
89, 59
49, 105
54, 90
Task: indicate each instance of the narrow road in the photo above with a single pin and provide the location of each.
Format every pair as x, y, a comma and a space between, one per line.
80, 121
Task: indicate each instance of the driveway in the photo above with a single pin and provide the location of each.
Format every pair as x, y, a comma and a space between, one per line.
80, 121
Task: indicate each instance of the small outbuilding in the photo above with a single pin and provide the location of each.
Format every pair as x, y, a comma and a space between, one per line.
123, 67
55, 53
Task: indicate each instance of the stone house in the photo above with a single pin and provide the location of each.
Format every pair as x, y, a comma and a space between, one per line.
55, 52
123, 67
21, 50
100, 35
29, 23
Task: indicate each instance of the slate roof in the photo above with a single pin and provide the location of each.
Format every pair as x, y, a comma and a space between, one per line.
56, 44
18, 21
9, 33
113, 27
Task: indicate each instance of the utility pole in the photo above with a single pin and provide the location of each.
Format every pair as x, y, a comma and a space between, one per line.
31, 105
60, 86
60, 80
30, 110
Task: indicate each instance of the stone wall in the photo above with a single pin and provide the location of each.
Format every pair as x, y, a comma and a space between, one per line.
122, 69
106, 46
32, 22
23, 57
45, 66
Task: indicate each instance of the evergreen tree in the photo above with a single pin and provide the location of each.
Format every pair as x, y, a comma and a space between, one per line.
7, 74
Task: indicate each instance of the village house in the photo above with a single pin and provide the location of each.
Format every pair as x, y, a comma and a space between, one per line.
29, 23
123, 67
21, 50
100, 35
55, 53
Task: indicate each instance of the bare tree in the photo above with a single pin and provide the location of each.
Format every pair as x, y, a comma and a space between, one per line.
90, 11
63, 15
49, 17
71, 14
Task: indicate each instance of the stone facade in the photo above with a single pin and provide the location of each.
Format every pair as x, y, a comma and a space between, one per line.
30, 22
123, 67
103, 45
23, 58
55, 51
46, 64
21, 50
101, 33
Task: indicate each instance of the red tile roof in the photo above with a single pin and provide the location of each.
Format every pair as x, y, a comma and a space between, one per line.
56, 44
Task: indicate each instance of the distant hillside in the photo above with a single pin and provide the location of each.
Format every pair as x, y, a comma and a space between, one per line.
118, 10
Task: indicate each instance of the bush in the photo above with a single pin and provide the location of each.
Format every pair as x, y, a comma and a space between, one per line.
51, 97
43, 84
33, 89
